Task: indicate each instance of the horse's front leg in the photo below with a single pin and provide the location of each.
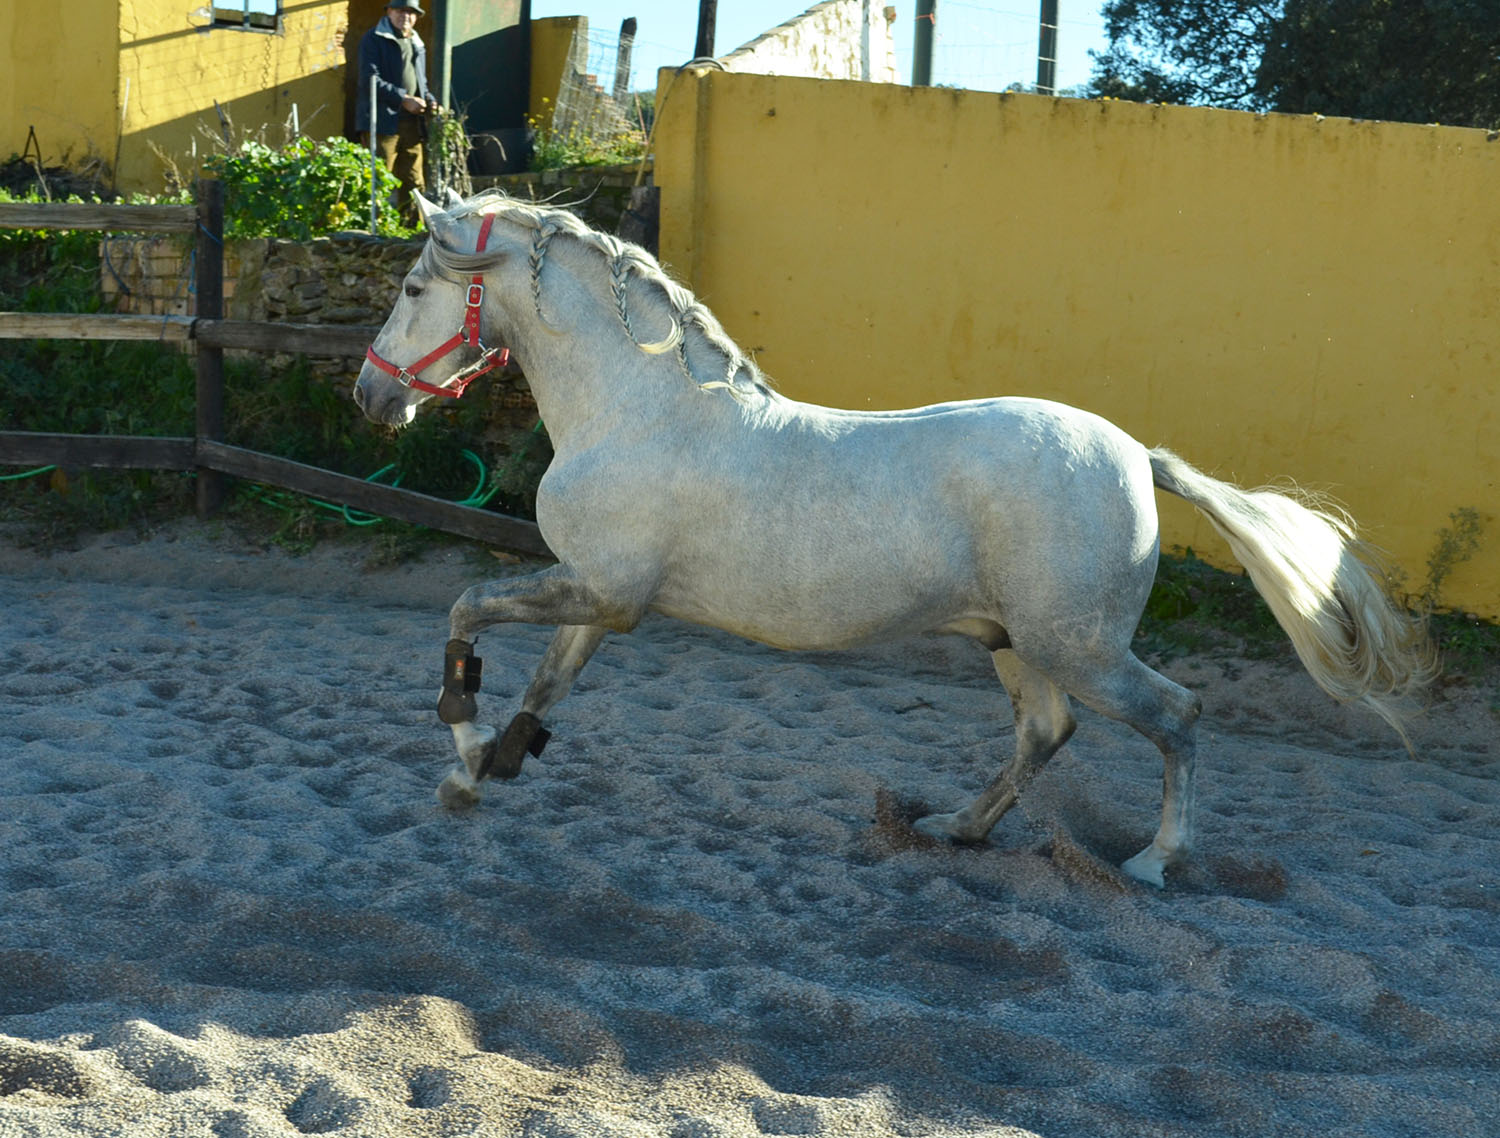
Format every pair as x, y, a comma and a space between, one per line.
486, 754
554, 596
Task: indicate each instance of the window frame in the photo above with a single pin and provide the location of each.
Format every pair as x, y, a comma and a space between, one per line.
232, 16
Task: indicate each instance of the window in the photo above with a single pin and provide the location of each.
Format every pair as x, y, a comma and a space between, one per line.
257, 15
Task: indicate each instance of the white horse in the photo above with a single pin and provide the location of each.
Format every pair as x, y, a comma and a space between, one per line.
683, 484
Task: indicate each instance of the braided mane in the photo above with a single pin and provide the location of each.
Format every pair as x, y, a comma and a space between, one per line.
627, 267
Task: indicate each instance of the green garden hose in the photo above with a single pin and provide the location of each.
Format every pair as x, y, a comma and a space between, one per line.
26, 474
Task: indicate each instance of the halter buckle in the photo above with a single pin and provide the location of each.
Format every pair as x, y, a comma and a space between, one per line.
475, 296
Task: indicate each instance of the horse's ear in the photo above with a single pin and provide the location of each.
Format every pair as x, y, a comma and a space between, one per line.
427, 209
451, 198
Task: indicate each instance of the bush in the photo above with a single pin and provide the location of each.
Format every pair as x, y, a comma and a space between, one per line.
301, 191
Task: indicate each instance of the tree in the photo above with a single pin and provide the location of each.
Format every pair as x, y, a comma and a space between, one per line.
1406, 60
1184, 51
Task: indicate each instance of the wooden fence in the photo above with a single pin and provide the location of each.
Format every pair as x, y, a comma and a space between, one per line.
207, 453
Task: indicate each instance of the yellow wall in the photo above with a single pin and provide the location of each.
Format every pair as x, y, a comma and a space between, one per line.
80, 70
1272, 296
176, 72
554, 41
58, 74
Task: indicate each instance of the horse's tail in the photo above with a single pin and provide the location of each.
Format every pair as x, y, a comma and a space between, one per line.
1320, 583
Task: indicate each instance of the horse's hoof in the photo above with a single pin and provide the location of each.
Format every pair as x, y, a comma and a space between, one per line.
1148, 867
945, 828
458, 791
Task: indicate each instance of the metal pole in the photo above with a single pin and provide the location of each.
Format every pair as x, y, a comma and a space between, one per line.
1046, 50
708, 13
921, 56
374, 153
209, 290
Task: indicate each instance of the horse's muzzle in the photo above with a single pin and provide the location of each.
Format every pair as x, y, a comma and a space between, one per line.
382, 402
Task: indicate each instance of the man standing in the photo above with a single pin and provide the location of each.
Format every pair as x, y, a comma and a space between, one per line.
393, 57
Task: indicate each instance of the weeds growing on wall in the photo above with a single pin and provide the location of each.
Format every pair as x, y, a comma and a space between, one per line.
1468, 645
578, 145
1456, 543
447, 155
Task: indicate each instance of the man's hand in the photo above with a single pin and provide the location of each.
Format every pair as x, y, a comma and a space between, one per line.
412, 104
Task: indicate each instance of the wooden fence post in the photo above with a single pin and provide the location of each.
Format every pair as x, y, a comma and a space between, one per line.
209, 245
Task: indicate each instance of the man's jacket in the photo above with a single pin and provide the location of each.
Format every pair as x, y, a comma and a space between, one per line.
380, 61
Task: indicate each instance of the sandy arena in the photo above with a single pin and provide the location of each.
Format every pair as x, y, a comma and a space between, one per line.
232, 906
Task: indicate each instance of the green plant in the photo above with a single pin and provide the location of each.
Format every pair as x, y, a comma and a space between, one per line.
1455, 544
447, 158
121, 387
1194, 607
85, 387
555, 148
1467, 645
643, 110
303, 190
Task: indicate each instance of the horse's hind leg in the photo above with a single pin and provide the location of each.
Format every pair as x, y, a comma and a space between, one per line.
1167, 714
1044, 721
479, 748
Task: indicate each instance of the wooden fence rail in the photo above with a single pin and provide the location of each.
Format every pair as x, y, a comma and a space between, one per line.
311, 339
89, 215
207, 453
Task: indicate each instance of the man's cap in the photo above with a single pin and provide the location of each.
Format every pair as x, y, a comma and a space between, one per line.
407, 5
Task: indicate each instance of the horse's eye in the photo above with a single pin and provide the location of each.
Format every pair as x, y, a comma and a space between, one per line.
413, 290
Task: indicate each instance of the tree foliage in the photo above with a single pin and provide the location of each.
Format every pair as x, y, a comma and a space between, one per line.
1403, 60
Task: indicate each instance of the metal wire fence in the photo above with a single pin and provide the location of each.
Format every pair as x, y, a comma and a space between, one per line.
595, 96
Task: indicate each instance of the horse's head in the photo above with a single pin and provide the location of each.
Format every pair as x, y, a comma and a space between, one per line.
436, 340
605, 308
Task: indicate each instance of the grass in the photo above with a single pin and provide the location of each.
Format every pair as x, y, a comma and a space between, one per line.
1195, 608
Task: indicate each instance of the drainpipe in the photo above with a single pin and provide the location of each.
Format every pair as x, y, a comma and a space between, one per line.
374, 154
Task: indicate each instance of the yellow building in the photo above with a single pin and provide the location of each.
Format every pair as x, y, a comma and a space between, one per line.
127, 89
125, 84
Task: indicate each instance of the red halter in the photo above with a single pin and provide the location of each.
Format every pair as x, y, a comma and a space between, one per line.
489, 359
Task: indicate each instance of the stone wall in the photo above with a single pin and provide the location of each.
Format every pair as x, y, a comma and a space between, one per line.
599, 194
349, 278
